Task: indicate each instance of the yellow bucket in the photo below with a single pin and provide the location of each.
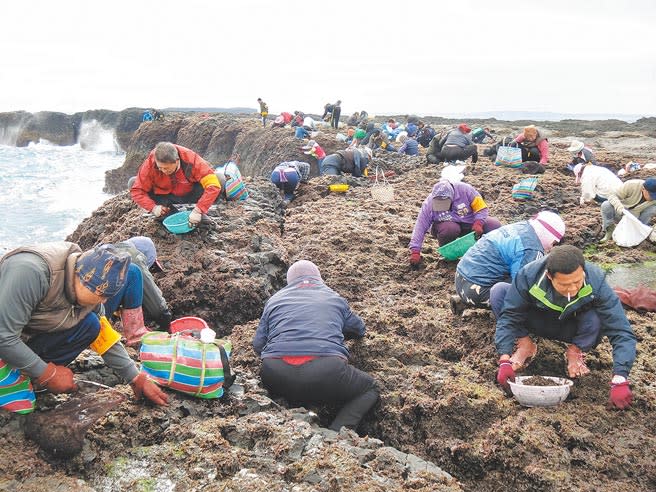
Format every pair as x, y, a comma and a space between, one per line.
339, 188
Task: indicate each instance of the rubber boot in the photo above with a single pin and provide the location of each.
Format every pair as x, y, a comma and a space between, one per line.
575, 358
524, 353
456, 305
608, 234
133, 325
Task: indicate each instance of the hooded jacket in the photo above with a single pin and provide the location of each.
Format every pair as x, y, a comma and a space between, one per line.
467, 206
532, 295
498, 255
193, 169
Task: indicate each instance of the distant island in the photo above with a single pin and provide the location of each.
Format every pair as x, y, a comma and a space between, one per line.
211, 110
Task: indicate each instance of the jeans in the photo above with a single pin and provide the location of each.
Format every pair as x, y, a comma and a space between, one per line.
323, 380
609, 216
583, 329
62, 347
129, 296
286, 182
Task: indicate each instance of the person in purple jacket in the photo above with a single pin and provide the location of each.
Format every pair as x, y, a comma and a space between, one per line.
451, 210
300, 339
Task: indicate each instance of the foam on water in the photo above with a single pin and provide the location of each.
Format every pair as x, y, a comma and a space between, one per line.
47, 190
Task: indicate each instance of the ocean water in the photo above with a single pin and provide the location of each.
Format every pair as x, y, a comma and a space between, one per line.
47, 190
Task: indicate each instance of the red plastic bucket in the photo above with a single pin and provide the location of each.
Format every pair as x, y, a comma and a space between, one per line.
188, 323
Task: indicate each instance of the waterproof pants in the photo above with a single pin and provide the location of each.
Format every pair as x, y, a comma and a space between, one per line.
582, 329
323, 380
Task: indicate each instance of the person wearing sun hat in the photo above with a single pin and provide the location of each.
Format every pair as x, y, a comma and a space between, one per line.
49, 295
450, 211
580, 154
300, 339
458, 145
498, 255
638, 196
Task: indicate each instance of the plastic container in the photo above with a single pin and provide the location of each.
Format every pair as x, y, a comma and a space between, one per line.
455, 249
178, 223
540, 396
188, 323
339, 188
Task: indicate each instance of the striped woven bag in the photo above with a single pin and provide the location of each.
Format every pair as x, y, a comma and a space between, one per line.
16, 393
183, 363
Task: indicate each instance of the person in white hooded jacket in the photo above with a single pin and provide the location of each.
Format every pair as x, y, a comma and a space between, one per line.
597, 182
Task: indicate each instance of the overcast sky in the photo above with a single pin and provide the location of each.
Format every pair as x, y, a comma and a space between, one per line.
423, 56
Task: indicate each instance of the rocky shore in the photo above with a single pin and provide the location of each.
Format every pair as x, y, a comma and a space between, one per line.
442, 424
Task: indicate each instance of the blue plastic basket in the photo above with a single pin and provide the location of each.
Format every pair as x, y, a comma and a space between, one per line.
178, 223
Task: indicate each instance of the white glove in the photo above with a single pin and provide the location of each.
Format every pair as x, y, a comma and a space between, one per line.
582, 201
158, 210
619, 210
194, 217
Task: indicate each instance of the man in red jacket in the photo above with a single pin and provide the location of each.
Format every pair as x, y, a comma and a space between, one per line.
174, 174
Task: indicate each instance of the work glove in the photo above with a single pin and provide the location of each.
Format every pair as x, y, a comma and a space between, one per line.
57, 379
143, 386
505, 374
159, 210
194, 217
415, 258
619, 210
164, 322
477, 227
620, 393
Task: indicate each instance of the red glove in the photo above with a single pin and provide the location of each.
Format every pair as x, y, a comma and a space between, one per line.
415, 257
620, 395
143, 386
57, 379
505, 374
477, 227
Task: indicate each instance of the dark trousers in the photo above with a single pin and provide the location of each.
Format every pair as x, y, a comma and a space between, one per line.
192, 197
455, 153
583, 330
62, 347
530, 153
472, 294
323, 380
335, 118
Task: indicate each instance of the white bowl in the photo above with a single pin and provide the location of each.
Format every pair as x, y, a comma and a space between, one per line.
540, 396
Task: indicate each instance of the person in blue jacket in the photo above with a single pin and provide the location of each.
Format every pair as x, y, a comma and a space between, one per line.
498, 255
300, 339
563, 297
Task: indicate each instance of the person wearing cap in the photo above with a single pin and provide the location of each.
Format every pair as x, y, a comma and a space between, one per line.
409, 146
534, 145
173, 174
580, 154
300, 339
450, 210
49, 295
458, 145
637, 196
287, 176
352, 160
498, 256
597, 182
562, 297
144, 257
264, 110
314, 149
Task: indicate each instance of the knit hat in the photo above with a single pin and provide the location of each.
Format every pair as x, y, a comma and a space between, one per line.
575, 147
302, 268
464, 128
146, 246
103, 269
549, 227
360, 134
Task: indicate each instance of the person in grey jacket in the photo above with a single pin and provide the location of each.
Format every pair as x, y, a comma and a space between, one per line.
458, 145
49, 295
300, 339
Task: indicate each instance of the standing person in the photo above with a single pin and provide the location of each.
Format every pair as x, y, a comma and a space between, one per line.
287, 176
300, 339
327, 112
144, 256
174, 174
264, 110
458, 145
498, 255
638, 196
450, 210
597, 182
48, 297
562, 297
337, 110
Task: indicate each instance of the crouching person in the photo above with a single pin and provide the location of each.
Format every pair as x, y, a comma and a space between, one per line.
48, 295
301, 341
562, 297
